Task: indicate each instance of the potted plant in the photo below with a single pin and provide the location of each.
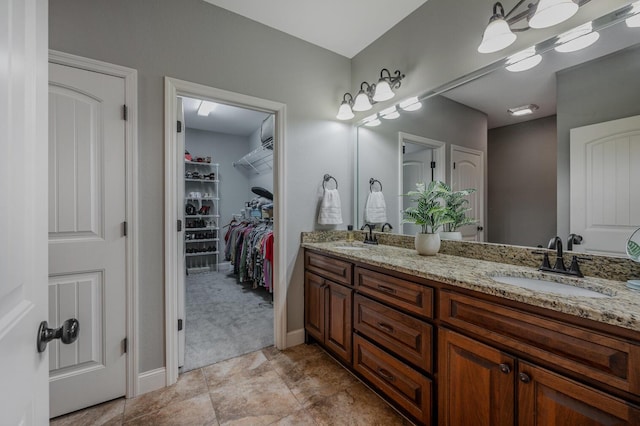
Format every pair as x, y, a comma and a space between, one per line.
430, 213
457, 207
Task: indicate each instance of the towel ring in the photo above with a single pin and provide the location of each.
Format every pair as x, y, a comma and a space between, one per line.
372, 182
326, 179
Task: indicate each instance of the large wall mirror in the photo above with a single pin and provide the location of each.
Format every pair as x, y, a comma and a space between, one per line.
524, 162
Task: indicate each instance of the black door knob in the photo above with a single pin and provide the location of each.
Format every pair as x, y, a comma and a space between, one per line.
480, 228
68, 333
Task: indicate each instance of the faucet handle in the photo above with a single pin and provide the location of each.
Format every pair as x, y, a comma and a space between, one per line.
574, 269
545, 259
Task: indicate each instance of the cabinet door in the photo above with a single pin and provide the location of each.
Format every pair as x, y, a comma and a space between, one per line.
476, 382
314, 319
338, 332
546, 398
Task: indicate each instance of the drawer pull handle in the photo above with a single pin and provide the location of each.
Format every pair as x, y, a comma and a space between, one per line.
524, 378
386, 375
385, 327
505, 368
386, 289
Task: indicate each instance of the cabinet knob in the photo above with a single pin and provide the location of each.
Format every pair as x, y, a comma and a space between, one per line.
524, 378
505, 368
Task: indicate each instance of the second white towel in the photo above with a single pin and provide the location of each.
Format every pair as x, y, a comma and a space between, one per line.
375, 210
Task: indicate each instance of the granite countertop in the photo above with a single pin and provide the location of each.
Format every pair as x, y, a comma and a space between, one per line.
621, 309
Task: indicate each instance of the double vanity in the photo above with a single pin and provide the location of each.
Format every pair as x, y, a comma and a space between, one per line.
454, 340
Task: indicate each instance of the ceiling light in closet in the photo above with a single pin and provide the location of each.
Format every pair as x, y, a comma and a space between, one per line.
206, 107
524, 60
523, 110
578, 38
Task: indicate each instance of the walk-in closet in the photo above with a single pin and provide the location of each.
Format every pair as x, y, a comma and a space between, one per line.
228, 232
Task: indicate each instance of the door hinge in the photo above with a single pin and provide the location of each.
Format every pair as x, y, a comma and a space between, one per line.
179, 325
125, 345
433, 164
125, 229
179, 126
179, 225
454, 166
125, 113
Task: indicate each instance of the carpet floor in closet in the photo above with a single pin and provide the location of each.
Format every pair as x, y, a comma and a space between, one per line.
224, 318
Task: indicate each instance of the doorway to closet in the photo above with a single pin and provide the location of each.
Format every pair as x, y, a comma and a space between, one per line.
227, 187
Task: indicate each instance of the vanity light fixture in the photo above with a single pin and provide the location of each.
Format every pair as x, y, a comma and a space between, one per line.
369, 94
545, 13
411, 104
372, 121
523, 110
390, 113
577, 38
206, 107
634, 21
524, 60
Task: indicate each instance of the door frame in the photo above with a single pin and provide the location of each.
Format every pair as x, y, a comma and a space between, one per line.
172, 89
130, 77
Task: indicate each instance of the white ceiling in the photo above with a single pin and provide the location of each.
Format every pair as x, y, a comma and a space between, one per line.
342, 26
224, 119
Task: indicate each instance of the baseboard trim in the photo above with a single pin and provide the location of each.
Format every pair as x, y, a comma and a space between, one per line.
295, 338
151, 380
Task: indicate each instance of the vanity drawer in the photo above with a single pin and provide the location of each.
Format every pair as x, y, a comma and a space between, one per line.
588, 353
400, 333
334, 269
407, 387
406, 295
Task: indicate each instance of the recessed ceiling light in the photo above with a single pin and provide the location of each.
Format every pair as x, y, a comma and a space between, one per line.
523, 110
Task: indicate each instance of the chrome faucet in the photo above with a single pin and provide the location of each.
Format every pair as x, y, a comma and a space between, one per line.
386, 224
369, 239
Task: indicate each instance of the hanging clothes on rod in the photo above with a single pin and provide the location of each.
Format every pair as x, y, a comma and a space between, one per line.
249, 247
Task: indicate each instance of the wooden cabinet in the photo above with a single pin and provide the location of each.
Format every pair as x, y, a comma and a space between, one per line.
481, 385
328, 314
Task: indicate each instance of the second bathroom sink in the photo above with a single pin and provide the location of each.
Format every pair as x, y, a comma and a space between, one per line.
547, 286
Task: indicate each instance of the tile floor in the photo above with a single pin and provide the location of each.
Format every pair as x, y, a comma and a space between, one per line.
299, 386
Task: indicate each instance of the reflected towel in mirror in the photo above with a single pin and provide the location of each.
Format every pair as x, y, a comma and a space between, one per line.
375, 210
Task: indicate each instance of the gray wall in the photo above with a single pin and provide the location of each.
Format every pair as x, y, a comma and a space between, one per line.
602, 90
263, 179
439, 118
522, 183
195, 41
224, 149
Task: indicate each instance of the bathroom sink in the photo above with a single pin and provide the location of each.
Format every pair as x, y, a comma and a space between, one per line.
354, 248
546, 286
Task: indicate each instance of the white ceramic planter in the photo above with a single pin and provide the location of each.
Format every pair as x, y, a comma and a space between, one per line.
427, 244
455, 235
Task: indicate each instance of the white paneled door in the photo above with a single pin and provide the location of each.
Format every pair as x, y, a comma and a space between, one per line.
604, 177
87, 242
24, 397
467, 171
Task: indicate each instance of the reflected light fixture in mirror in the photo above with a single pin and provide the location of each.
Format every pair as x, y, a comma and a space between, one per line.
390, 113
545, 13
552, 12
577, 39
524, 60
634, 21
372, 121
411, 104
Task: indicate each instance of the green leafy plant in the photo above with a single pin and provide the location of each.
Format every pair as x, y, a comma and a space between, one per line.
430, 212
457, 208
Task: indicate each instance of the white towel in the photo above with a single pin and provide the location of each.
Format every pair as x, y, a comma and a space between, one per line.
375, 210
330, 208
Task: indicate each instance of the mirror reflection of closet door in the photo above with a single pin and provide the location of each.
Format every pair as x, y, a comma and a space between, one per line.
416, 167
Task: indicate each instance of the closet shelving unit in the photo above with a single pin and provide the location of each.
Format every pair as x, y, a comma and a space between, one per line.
257, 159
202, 231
